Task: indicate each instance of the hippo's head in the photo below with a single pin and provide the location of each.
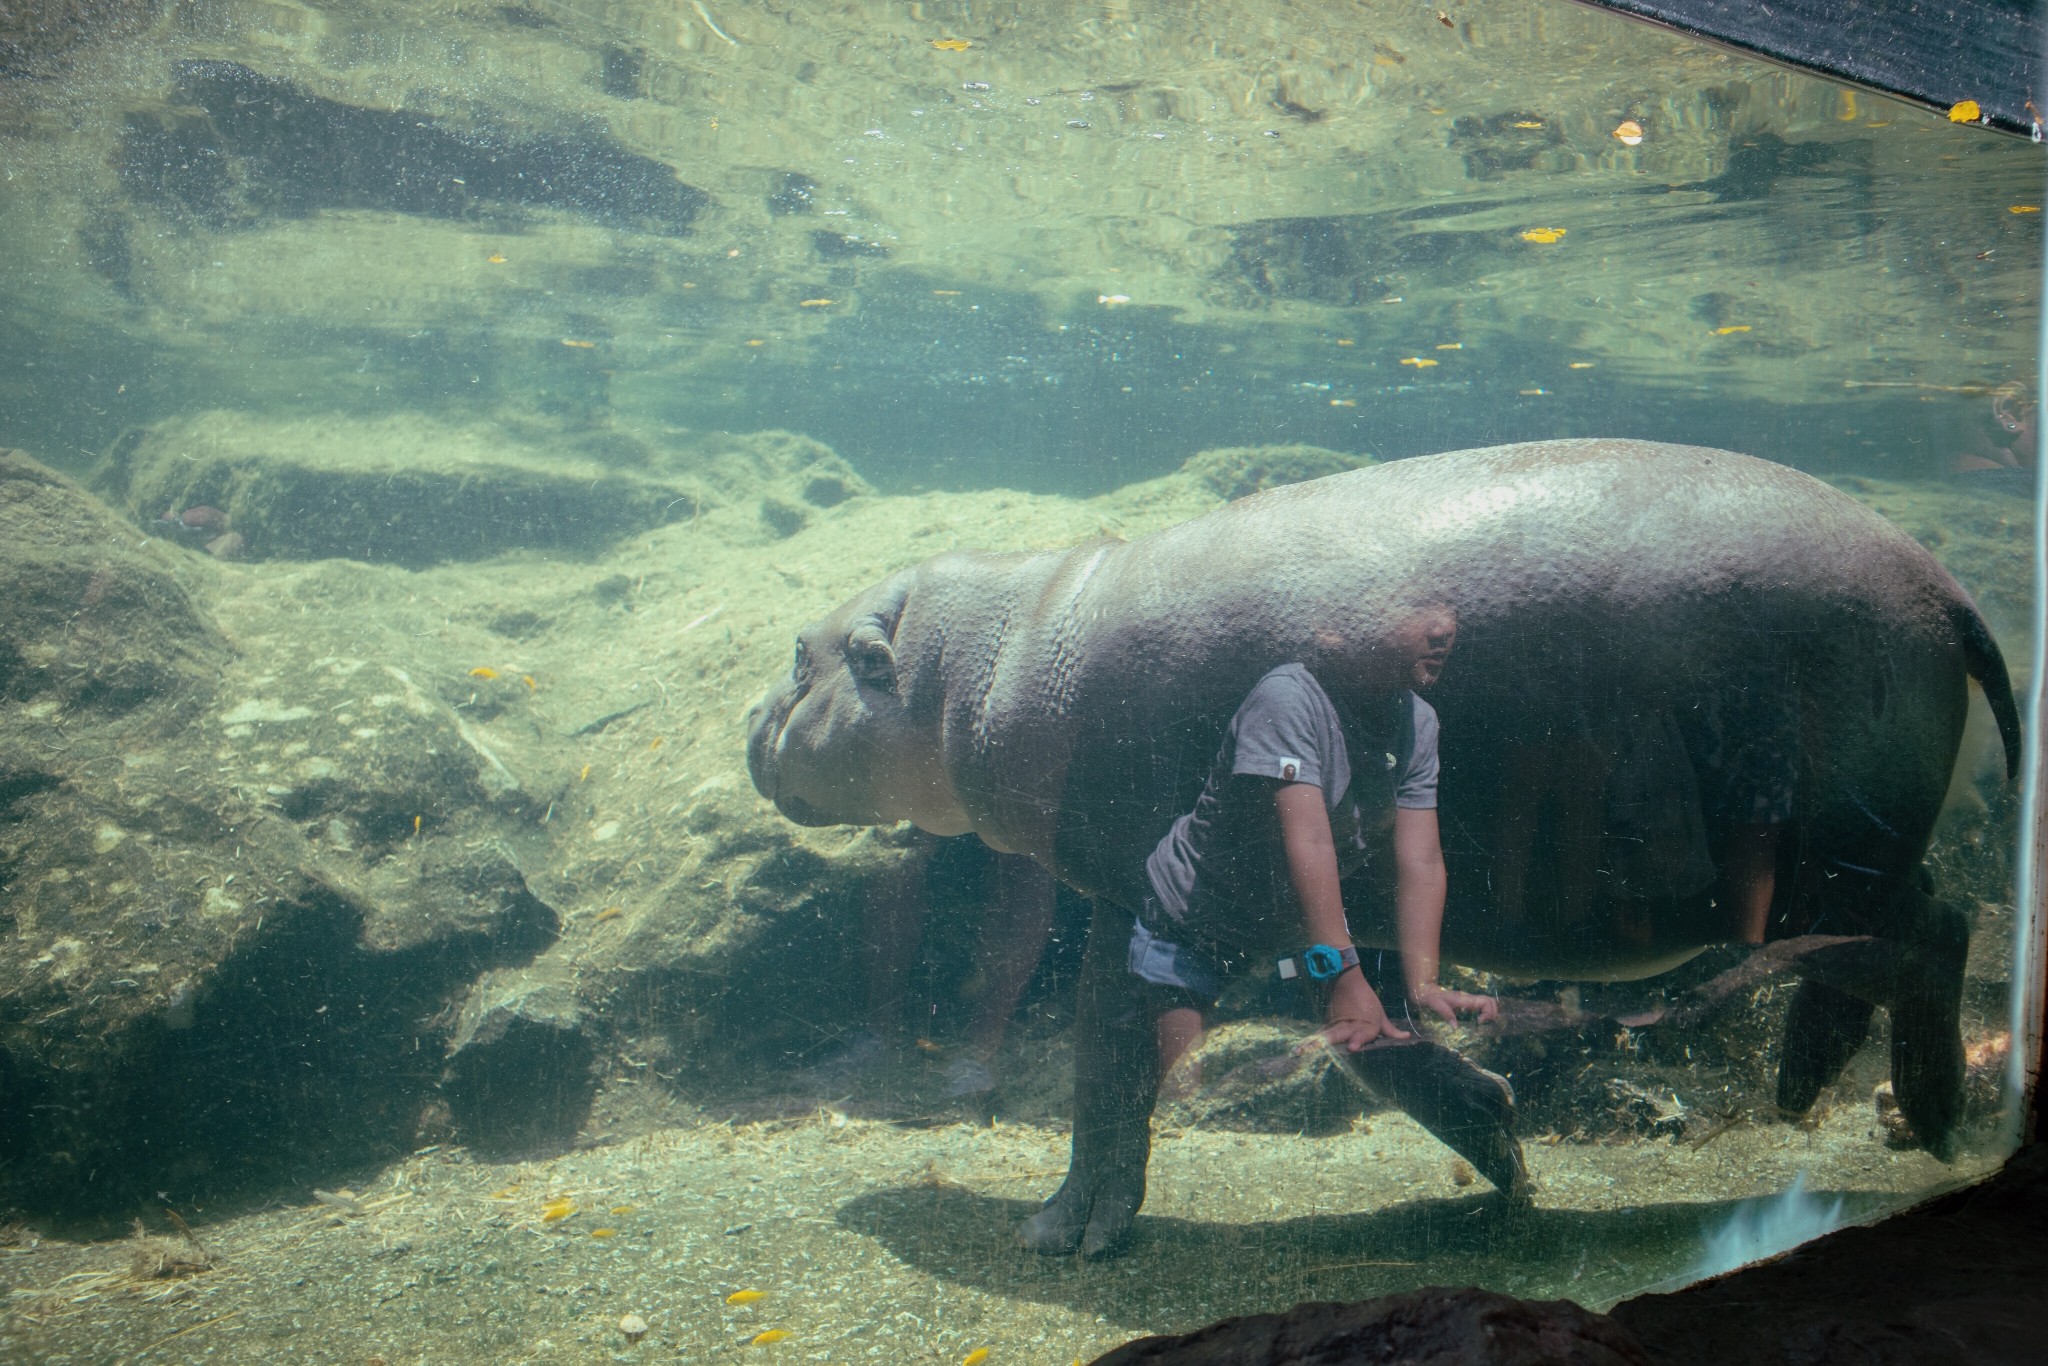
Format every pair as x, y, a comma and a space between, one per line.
846, 738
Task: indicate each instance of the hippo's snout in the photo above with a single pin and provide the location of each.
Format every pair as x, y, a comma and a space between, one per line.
764, 726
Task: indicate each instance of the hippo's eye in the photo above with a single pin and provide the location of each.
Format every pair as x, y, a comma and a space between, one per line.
801, 662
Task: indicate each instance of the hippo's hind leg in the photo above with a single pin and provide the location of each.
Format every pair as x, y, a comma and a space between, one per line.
1915, 971
1927, 1037
1469, 1108
1116, 1079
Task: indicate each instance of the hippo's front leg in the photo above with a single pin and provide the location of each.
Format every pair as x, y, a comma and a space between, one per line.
1116, 1080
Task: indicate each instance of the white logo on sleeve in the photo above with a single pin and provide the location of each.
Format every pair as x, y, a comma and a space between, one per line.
1290, 768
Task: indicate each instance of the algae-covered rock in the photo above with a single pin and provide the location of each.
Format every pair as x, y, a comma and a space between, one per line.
96, 623
1237, 471
408, 490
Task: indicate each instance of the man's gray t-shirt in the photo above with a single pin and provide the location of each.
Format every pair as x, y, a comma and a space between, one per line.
1220, 874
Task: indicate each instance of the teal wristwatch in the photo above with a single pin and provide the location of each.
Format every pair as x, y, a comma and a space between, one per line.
1320, 961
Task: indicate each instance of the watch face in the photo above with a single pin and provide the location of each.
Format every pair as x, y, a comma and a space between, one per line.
1323, 961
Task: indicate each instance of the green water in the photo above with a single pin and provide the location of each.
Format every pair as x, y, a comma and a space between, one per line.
550, 364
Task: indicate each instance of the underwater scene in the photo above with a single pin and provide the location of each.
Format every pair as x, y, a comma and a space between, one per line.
803, 680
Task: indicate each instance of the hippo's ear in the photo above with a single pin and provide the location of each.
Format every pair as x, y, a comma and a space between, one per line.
869, 656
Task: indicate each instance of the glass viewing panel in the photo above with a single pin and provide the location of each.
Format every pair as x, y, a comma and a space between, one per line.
431, 428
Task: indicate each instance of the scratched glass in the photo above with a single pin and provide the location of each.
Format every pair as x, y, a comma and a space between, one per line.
412, 945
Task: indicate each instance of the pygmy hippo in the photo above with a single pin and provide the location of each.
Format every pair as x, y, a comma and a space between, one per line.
1608, 594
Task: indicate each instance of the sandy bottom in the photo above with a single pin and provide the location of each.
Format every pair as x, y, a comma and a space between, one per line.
873, 1241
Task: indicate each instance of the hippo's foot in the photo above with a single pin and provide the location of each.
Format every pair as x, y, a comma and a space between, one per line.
1093, 1218
1469, 1108
1823, 1031
1927, 1039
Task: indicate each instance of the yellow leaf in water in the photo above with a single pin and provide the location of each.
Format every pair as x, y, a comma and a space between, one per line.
609, 913
1526, 123
2023, 208
1582, 365
1731, 330
745, 1296
584, 774
772, 1335
975, 1357
531, 686
555, 1210
1965, 111
655, 743
1346, 341
1450, 346
495, 259
1544, 236
604, 1233
951, 44
486, 674
509, 1193
579, 345
1418, 362
814, 303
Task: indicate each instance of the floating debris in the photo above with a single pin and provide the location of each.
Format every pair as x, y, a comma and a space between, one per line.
1543, 236
1419, 362
579, 345
624, 1209
1450, 346
951, 44
1343, 403
1112, 300
1965, 111
609, 913
604, 1233
1629, 132
1526, 123
495, 259
531, 686
1731, 329
554, 1211
815, 303
343, 1200
2023, 208
1582, 364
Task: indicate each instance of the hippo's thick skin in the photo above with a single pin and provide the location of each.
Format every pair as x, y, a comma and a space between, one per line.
1066, 705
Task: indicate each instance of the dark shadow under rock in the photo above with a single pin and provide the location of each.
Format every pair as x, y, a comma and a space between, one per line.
1433, 1326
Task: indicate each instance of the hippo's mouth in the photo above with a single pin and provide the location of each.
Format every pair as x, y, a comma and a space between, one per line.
765, 723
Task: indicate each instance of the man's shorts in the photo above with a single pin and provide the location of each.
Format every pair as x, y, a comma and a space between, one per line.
1164, 963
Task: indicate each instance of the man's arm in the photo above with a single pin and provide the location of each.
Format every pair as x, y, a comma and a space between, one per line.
1355, 1016
1419, 917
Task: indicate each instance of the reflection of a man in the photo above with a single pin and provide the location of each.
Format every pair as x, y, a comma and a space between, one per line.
1648, 807
2007, 441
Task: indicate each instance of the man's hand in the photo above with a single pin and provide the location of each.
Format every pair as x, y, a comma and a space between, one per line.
1449, 1005
1356, 1017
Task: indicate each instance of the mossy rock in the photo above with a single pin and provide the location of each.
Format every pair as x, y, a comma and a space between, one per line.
404, 490
1239, 471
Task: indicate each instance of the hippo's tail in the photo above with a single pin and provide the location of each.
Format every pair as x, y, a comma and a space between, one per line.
1981, 656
